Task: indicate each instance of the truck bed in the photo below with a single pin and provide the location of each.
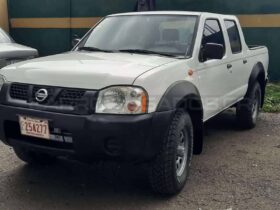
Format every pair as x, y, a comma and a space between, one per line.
255, 47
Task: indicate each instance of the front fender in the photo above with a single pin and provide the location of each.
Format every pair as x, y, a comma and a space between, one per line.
176, 94
185, 95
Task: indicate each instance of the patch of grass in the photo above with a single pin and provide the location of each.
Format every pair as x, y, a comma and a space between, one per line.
272, 98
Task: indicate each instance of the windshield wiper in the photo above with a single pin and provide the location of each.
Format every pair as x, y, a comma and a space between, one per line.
94, 49
149, 52
139, 51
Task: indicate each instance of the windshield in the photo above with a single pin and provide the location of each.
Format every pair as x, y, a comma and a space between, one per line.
4, 38
162, 34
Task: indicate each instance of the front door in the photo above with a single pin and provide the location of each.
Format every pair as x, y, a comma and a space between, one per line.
214, 75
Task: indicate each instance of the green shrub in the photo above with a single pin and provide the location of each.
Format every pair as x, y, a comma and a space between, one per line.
272, 98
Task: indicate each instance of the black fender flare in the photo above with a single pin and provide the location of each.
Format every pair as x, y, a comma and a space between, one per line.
184, 94
176, 94
257, 74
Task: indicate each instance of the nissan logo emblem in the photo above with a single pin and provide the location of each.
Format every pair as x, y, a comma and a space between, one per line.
41, 95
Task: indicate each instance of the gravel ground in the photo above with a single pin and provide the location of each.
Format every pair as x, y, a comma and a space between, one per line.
237, 170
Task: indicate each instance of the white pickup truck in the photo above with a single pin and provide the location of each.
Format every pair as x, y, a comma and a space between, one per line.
137, 87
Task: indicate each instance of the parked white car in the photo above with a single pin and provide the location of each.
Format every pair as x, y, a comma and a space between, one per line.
11, 52
138, 87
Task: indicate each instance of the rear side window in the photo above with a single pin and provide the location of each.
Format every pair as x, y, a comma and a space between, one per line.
234, 36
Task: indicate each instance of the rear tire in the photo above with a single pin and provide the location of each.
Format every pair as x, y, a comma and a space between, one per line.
170, 169
248, 109
33, 158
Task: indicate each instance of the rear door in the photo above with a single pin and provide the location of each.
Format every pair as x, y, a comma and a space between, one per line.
238, 60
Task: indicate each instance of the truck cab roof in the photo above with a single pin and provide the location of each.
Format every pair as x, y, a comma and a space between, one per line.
174, 13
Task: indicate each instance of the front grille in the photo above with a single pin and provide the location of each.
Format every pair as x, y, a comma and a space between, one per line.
79, 99
71, 97
19, 91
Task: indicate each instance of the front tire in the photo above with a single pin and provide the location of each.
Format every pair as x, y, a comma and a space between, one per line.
33, 158
170, 170
248, 109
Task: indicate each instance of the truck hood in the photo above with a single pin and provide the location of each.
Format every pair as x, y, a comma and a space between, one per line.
90, 70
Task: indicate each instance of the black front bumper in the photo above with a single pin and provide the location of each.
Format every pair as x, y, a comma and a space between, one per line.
96, 136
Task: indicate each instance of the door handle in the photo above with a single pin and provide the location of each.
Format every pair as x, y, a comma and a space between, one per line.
229, 66
245, 61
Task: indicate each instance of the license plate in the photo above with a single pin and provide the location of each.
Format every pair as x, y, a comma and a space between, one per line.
38, 128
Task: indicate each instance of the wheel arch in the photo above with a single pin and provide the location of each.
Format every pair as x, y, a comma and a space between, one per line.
185, 95
258, 75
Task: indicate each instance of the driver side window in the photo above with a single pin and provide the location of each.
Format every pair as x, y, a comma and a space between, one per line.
212, 33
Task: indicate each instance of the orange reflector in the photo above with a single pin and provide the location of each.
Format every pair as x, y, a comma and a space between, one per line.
190, 72
144, 103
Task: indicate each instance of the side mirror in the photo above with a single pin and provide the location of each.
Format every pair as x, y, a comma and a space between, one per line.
75, 42
213, 51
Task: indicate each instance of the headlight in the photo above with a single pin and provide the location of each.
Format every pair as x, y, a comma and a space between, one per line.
2, 81
122, 100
